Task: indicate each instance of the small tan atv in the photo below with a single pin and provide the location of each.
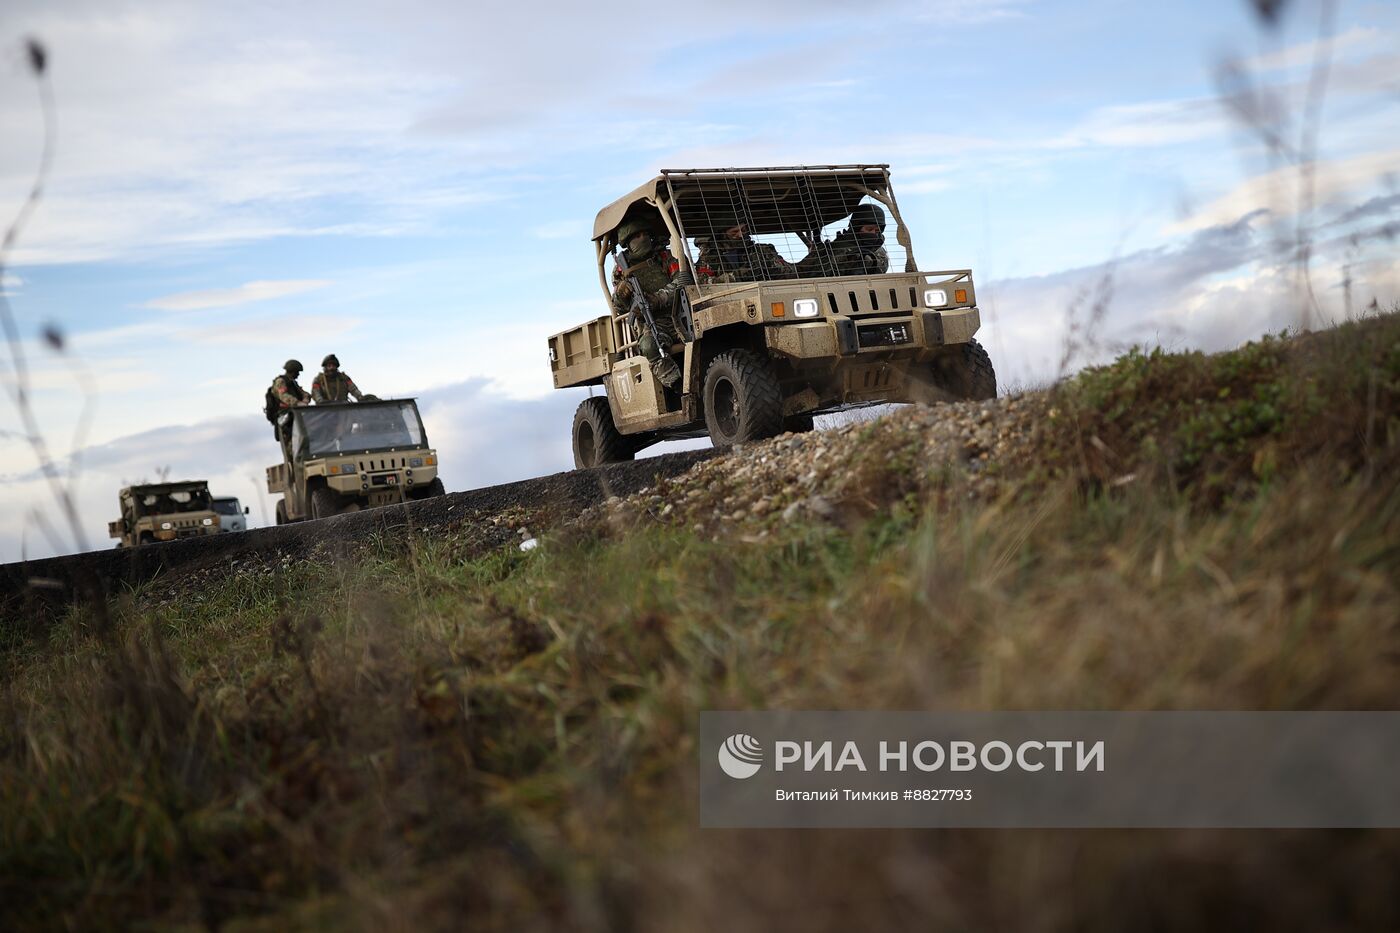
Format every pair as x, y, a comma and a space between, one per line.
785, 299
346, 456
153, 512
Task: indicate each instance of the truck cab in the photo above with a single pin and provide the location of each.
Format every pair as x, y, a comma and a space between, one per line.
232, 513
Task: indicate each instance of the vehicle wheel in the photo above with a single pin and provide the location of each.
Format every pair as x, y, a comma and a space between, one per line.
799, 424
435, 488
743, 401
969, 374
596, 439
281, 511
325, 502
146, 538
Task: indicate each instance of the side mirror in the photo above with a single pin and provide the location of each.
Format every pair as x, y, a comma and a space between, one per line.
247, 509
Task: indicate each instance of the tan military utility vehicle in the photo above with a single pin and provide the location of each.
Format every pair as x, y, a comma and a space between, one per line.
154, 512
346, 456
784, 313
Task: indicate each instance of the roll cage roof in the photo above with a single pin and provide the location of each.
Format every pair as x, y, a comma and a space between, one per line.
708, 200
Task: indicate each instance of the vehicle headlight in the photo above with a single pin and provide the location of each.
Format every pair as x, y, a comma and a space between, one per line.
347, 468
804, 307
166, 526
208, 521
935, 297
416, 461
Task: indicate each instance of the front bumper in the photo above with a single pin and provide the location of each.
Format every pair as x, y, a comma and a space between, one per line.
917, 335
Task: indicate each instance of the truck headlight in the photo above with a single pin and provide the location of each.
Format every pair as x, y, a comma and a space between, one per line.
935, 297
416, 461
165, 526
804, 307
347, 468
208, 521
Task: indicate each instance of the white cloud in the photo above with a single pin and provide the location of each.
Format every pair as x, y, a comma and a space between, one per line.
276, 331
1277, 191
243, 294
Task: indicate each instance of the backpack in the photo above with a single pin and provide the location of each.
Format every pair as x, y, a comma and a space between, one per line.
271, 405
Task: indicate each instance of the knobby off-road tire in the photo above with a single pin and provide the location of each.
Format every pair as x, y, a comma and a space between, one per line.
969, 375
435, 488
596, 438
280, 513
743, 401
325, 502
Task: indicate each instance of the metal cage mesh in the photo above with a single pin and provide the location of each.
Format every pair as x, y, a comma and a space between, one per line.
762, 225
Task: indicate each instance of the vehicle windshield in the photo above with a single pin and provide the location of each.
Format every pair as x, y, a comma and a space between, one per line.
166, 502
357, 428
228, 507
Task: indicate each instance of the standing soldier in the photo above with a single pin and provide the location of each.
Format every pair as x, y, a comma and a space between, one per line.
332, 385
285, 393
658, 273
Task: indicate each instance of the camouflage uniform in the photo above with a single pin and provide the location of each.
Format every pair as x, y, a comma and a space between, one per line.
287, 393
849, 257
744, 260
660, 276
851, 252
334, 385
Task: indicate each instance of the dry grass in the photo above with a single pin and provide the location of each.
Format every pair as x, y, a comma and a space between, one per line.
432, 740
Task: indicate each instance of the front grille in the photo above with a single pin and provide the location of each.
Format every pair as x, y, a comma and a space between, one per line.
383, 463
884, 335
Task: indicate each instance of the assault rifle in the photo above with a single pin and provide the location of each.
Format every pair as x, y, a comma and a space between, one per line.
665, 368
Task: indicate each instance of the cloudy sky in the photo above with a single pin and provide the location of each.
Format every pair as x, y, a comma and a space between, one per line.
412, 188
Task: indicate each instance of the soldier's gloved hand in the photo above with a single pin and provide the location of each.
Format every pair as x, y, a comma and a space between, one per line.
624, 290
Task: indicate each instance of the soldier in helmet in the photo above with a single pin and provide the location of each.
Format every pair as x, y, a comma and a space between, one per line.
659, 274
285, 388
332, 385
732, 255
285, 393
857, 250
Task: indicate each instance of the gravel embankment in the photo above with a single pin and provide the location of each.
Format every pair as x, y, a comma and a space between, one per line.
490, 515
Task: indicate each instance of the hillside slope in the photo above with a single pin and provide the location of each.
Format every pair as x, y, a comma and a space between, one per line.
417, 731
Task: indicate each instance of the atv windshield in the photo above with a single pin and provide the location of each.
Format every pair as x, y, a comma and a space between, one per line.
166, 502
357, 428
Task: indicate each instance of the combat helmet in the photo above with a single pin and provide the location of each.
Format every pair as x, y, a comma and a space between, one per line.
868, 214
631, 227
292, 366
330, 358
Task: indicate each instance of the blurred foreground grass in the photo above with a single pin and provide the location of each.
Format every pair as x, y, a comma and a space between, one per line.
416, 737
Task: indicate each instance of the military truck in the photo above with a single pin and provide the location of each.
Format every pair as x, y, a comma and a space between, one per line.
790, 329
153, 512
346, 456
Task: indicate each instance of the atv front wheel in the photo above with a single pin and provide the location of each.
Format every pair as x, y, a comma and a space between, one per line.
743, 401
596, 438
325, 502
968, 374
435, 488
